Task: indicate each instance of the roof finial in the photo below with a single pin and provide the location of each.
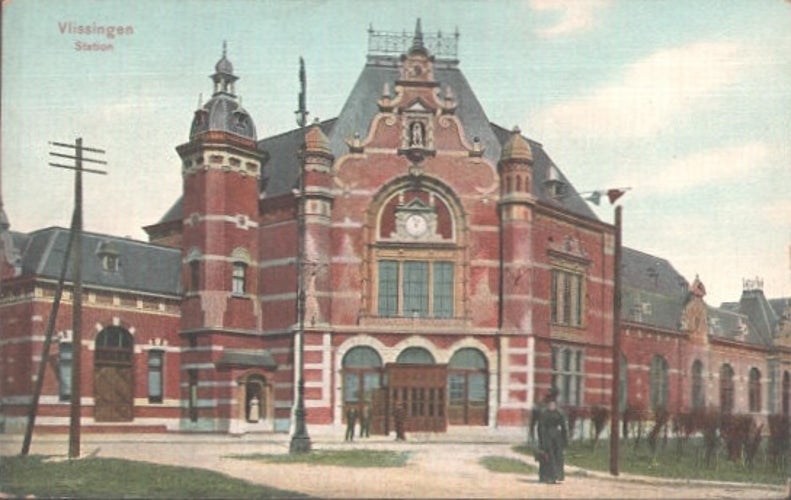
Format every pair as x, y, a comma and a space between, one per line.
224, 48
200, 99
417, 41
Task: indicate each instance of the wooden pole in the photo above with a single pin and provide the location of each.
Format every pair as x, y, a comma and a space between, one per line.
76, 255
616, 348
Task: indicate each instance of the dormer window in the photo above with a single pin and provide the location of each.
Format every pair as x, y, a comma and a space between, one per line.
109, 256
110, 263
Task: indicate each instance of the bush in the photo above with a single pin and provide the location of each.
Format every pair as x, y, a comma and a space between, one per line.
779, 443
753, 443
661, 417
711, 439
599, 417
735, 431
633, 421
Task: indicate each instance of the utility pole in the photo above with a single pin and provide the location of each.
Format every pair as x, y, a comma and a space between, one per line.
76, 266
300, 441
615, 406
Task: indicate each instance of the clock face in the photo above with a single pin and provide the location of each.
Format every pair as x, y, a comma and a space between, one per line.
416, 225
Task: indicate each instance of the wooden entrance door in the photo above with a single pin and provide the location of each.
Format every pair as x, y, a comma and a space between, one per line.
421, 389
113, 388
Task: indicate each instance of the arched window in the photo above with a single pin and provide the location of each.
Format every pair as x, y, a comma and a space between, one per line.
726, 389
415, 260
467, 388
362, 369
659, 383
241, 260
786, 396
754, 390
698, 395
415, 356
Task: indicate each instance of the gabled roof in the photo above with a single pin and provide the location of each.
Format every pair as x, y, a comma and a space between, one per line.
143, 267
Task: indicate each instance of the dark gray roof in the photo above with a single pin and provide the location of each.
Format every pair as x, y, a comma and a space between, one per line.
652, 291
143, 267
280, 173
762, 317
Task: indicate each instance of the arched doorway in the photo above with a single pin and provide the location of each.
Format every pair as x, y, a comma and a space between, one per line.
467, 388
418, 384
113, 380
256, 402
362, 376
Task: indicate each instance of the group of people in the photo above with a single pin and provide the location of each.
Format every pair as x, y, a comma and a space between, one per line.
364, 416
352, 415
552, 439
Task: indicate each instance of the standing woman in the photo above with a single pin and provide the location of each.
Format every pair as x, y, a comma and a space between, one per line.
552, 439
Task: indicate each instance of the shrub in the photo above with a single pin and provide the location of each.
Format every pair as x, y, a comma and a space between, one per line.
735, 431
779, 442
711, 439
599, 417
633, 418
753, 443
661, 417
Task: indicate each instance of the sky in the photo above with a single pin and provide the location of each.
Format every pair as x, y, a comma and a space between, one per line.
686, 103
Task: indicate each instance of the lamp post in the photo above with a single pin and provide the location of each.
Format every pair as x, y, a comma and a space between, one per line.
300, 441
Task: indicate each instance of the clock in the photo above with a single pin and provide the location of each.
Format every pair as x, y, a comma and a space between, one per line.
416, 225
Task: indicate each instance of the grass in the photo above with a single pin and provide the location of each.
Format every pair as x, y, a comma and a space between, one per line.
341, 458
668, 462
114, 478
507, 465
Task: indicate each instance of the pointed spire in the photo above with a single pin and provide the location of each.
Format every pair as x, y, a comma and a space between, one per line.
417, 40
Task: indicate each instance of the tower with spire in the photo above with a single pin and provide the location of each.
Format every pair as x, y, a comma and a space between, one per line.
221, 169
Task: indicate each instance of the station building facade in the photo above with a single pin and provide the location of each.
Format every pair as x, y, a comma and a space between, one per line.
408, 251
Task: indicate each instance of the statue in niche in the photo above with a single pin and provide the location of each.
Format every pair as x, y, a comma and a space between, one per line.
416, 134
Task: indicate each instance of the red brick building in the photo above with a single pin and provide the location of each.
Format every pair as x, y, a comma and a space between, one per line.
407, 251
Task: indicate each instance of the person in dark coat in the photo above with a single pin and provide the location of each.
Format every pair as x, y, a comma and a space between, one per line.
365, 422
552, 439
351, 420
399, 416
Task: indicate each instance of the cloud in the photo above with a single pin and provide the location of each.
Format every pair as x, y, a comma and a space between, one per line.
575, 15
703, 168
653, 92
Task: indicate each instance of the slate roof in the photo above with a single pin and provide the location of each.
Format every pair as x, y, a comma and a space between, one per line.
143, 267
652, 291
281, 170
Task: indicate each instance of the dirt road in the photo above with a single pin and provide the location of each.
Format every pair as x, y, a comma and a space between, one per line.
434, 469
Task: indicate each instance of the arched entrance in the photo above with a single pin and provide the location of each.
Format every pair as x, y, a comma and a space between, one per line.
417, 383
362, 375
113, 387
467, 388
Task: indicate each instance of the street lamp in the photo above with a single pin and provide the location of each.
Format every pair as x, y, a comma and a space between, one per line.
300, 441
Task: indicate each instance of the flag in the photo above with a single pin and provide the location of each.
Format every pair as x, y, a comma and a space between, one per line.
594, 197
614, 194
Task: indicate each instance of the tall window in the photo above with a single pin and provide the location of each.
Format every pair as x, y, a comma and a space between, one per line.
238, 281
414, 288
467, 387
567, 375
786, 397
64, 371
623, 383
362, 369
194, 283
698, 394
754, 391
658, 383
193, 395
726, 389
155, 362
567, 297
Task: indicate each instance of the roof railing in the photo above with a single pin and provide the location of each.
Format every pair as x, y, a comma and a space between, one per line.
393, 43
